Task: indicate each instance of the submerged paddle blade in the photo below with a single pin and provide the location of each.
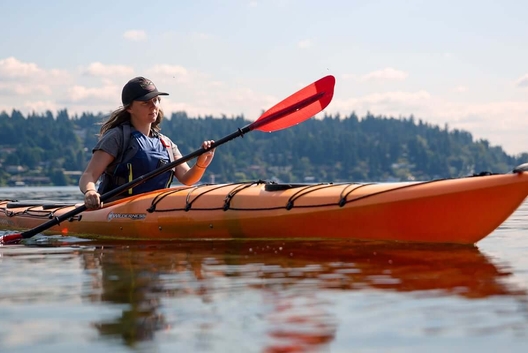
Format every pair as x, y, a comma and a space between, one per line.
298, 107
10, 239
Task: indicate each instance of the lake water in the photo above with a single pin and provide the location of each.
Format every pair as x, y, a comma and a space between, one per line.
60, 294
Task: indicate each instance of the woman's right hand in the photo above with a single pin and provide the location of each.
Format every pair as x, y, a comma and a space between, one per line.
92, 200
206, 158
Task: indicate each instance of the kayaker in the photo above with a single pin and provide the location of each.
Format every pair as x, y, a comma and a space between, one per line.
131, 145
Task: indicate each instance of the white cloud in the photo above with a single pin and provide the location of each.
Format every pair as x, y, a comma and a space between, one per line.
19, 78
303, 44
98, 69
387, 73
110, 93
18, 89
523, 81
461, 89
12, 68
135, 35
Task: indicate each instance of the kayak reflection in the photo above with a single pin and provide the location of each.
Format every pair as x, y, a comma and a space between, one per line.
167, 287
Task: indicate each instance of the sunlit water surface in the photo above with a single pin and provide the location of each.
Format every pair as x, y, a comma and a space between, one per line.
61, 294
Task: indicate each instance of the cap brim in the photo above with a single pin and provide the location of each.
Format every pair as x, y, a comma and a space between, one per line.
150, 95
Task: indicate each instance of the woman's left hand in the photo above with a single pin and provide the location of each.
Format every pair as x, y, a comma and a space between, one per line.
207, 157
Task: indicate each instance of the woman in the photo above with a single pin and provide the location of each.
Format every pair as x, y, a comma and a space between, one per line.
131, 145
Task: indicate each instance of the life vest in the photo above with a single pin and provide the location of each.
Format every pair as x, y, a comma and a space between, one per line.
141, 155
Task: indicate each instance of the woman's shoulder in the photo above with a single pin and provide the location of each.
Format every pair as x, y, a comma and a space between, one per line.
111, 140
116, 132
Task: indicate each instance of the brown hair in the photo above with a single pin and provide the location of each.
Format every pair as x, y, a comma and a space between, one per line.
121, 115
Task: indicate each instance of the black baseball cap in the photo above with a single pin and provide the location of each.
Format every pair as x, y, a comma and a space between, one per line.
139, 89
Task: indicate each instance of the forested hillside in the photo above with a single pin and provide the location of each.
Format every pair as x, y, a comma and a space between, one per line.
52, 149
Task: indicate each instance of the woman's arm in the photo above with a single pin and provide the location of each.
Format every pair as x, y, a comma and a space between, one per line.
98, 163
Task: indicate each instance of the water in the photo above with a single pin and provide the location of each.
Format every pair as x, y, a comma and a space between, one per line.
66, 294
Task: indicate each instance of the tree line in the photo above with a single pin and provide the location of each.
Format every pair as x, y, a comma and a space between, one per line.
330, 149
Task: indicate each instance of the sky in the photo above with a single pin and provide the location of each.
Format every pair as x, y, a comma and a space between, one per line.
461, 64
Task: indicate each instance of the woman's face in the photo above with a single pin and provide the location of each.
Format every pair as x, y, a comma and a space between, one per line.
145, 111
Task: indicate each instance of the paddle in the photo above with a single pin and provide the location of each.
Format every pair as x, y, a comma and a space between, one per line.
293, 110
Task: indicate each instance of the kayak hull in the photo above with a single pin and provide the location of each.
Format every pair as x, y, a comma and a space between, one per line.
462, 210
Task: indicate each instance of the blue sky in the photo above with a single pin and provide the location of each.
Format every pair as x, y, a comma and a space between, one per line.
460, 63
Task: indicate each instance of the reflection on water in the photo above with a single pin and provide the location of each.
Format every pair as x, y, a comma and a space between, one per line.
281, 293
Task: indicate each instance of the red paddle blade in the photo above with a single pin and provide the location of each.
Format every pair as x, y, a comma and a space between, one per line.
10, 239
298, 107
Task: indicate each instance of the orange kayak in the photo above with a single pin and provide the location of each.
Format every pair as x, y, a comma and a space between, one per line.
462, 210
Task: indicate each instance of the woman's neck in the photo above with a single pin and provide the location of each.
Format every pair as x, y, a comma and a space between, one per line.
143, 128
